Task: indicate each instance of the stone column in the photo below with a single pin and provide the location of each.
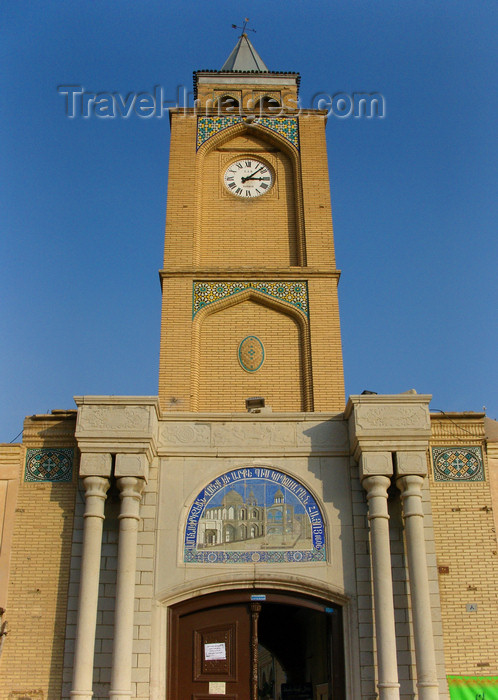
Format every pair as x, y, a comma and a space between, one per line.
411, 495
131, 488
376, 487
95, 495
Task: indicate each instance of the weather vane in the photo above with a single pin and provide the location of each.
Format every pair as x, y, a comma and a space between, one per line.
246, 20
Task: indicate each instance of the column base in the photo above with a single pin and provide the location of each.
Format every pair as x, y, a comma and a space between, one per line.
428, 690
388, 691
82, 694
117, 694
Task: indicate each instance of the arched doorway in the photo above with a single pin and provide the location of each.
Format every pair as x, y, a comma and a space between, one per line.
256, 645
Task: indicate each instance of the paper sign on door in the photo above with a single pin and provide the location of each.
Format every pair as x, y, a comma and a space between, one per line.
214, 652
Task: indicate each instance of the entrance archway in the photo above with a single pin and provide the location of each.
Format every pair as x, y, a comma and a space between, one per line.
256, 645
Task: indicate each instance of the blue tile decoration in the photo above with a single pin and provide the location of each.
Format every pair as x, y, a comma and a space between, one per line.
287, 127
458, 463
251, 353
254, 515
295, 293
209, 126
49, 464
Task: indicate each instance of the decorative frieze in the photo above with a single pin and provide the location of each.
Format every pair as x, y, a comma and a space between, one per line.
287, 127
294, 293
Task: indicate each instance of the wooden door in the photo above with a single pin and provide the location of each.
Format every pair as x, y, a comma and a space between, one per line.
211, 655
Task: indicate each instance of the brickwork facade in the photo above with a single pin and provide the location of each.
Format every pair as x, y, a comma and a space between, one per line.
92, 570
214, 236
466, 549
32, 654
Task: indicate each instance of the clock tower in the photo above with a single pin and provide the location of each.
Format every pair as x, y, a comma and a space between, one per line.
249, 282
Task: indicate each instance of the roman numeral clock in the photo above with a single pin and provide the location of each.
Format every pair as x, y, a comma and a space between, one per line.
248, 178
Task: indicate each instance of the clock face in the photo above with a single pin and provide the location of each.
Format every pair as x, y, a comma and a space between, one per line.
247, 178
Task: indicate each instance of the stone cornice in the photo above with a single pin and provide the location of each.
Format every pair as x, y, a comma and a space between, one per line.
388, 423
118, 424
255, 273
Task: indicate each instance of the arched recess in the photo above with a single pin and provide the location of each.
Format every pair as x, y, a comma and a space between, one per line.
275, 141
304, 634
251, 295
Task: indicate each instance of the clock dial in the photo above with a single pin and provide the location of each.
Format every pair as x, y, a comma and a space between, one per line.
248, 178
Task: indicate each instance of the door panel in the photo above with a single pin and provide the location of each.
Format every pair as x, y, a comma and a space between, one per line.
213, 653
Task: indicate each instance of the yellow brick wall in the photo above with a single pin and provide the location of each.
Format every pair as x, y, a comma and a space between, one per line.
180, 212
466, 544
224, 385
326, 347
283, 235
237, 232
316, 192
33, 651
10, 471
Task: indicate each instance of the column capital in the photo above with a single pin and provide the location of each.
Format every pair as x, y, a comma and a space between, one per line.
376, 487
95, 494
410, 485
130, 488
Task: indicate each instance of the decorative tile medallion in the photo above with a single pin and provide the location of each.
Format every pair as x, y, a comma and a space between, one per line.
458, 463
295, 293
251, 353
254, 515
284, 126
47, 464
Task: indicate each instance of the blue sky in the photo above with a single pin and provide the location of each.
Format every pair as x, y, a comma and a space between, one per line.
413, 195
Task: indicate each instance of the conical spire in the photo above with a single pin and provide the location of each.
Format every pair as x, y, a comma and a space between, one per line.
244, 57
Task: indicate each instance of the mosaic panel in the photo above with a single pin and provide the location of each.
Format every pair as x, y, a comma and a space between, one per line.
47, 464
251, 353
254, 515
458, 463
209, 126
284, 126
205, 293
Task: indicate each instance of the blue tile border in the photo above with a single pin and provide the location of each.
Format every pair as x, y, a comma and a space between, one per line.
206, 293
287, 127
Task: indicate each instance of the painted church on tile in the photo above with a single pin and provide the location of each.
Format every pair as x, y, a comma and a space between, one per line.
249, 533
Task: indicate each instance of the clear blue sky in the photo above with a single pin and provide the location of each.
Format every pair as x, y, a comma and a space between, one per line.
413, 195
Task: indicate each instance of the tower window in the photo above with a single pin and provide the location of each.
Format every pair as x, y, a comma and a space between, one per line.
228, 104
268, 105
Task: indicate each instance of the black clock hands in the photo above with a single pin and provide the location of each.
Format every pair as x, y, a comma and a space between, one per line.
251, 177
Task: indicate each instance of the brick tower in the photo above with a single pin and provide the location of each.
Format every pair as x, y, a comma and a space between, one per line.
249, 281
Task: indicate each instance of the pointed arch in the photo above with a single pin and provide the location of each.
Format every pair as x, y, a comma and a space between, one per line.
275, 140
270, 302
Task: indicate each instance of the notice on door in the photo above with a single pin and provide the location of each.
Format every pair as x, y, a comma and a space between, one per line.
215, 652
217, 688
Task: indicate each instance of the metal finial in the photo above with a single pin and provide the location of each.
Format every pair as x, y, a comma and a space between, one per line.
246, 20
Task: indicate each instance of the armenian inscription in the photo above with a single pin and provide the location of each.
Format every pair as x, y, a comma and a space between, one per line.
253, 515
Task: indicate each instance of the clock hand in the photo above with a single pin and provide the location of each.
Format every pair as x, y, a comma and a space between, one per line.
251, 177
